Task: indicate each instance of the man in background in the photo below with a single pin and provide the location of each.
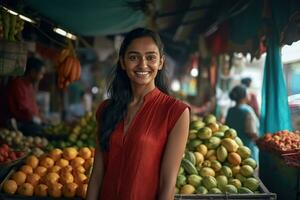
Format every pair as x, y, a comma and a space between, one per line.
21, 98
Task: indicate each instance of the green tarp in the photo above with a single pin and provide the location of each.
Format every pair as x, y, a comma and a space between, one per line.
90, 17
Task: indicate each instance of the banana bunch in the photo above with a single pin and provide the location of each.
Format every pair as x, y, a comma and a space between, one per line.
10, 25
69, 69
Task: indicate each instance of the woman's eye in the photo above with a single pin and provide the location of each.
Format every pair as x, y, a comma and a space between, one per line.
133, 58
151, 58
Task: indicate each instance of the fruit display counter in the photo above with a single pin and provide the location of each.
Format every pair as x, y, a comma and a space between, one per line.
217, 165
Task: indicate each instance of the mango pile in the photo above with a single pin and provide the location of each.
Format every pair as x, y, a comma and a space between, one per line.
60, 173
215, 161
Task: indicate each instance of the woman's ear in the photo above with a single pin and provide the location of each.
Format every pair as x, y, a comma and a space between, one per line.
161, 62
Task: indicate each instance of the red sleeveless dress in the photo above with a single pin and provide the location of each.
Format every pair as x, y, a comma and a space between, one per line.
132, 162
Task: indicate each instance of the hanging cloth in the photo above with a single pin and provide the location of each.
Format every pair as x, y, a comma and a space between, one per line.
275, 113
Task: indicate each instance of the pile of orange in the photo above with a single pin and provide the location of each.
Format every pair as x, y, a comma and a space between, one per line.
61, 172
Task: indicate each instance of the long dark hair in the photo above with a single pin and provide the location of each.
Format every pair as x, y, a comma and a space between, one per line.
119, 90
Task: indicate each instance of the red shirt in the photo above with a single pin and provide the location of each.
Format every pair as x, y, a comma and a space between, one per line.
132, 163
21, 100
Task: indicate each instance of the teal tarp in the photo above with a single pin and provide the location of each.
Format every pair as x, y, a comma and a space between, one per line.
90, 17
275, 113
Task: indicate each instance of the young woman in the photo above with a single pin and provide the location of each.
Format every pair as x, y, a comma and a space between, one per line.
242, 118
142, 130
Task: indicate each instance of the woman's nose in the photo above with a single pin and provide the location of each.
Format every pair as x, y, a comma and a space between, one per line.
143, 61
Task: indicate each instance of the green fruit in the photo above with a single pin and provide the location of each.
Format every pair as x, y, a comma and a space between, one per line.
225, 170
230, 133
216, 165
201, 190
222, 153
215, 191
190, 157
209, 182
218, 134
251, 183
194, 180
221, 181
196, 125
223, 128
213, 142
244, 152
209, 119
181, 171
250, 161
244, 190
193, 144
180, 181
188, 166
230, 189
193, 134
239, 141
246, 170
240, 177
204, 133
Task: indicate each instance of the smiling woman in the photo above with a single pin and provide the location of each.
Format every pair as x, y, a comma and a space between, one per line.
142, 130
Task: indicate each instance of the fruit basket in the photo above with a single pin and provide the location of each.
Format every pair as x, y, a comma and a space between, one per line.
263, 195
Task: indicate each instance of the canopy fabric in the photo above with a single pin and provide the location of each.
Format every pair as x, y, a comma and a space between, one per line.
91, 17
275, 113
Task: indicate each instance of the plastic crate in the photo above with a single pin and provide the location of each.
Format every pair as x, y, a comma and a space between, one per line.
264, 195
6, 167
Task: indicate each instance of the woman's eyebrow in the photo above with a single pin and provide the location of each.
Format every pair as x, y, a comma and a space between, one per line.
136, 52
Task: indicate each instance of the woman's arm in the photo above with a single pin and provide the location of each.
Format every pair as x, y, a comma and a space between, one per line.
172, 156
96, 176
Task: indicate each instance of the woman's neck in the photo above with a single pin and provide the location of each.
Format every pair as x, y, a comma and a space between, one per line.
139, 93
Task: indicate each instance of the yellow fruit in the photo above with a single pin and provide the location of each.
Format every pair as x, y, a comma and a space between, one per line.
41, 190
47, 162
26, 189
69, 190
93, 152
66, 169
55, 168
85, 153
81, 190
27, 169
78, 161
55, 154
10, 187
70, 153
40, 170
33, 179
51, 178
66, 178
55, 190
19, 177
62, 162
32, 161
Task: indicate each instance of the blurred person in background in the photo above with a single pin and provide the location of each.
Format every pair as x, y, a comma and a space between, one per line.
252, 97
21, 98
242, 118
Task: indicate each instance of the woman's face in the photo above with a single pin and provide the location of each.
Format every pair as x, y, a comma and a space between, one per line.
142, 61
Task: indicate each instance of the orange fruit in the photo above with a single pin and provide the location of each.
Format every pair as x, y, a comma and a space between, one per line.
62, 162
93, 151
69, 190
32, 161
79, 169
78, 161
10, 186
27, 169
51, 178
55, 190
41, 190
47, 162
70, 153
26, 189
80, 178
66, 169
55, 154
19, 177
40, 170
88, 163
81, 190
33, 179
55, 168
85, 153
66, 178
